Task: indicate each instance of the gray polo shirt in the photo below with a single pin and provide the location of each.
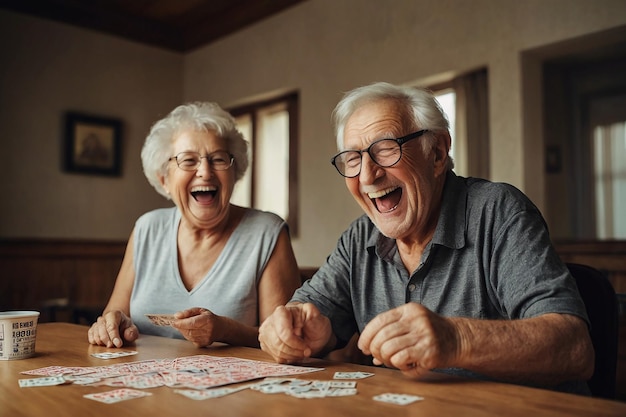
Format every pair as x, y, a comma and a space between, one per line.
490, 258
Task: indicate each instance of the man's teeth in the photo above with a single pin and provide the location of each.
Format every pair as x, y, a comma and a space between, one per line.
381, 193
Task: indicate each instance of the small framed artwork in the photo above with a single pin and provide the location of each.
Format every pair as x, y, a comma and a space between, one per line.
92, 144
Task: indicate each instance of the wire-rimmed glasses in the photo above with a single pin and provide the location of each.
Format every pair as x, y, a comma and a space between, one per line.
190, 161
384, 152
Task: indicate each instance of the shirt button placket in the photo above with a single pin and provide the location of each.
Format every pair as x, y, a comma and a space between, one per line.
412, 292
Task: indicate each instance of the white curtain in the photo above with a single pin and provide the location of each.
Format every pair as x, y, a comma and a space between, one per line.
609, 147
472, 123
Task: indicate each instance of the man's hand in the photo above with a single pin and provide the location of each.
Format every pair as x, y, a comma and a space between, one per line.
410, 338
112, 329
294, 332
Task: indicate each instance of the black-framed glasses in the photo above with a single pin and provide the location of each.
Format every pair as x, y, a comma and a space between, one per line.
384, 152
190, 161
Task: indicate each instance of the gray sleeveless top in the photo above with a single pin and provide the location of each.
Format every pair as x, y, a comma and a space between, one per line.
229, 287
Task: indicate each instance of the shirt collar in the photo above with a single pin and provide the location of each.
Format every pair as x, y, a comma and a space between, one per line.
451, 225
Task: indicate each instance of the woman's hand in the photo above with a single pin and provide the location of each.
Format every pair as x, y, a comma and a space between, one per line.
113, 329
199, 325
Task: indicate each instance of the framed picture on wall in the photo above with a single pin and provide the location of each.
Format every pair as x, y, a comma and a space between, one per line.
92, 144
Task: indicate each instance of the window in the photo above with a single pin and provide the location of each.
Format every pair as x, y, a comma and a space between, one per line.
271, 182
584, 118
447, 100
464, 99
609, 145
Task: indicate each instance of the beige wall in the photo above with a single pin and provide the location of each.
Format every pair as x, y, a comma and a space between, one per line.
321, 48
47, 69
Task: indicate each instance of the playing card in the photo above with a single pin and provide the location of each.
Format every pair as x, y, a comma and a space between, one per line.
54, 371
117, 395
204, 394
308, 394
161, 319
272, 389
342, 384
271, 381
352, 375
82, 380
398, 399
149, 380
341, 392
113, 354
42, 382
300, 388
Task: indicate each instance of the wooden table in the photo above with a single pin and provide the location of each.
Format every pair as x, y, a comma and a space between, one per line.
66, 345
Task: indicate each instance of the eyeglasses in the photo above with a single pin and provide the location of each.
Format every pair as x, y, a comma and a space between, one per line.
190, 161
384, 152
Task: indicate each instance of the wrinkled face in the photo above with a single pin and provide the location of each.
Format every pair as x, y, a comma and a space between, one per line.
202, 195
401, 200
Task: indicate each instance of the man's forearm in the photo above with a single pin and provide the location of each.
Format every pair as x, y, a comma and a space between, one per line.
545, 350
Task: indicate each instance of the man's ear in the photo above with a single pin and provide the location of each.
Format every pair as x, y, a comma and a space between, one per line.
441, 149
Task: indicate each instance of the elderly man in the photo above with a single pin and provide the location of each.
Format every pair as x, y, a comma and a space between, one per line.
442, 272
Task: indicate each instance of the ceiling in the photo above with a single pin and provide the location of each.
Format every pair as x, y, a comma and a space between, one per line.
177, 25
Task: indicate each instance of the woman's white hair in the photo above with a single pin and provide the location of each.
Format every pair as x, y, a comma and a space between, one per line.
420, 104
199, 116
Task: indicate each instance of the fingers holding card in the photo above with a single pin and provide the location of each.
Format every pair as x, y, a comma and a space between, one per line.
161, 319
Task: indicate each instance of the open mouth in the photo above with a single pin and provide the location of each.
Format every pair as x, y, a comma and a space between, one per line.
386, 200
204, 195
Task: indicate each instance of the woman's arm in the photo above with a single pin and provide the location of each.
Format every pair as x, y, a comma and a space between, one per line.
280, 279
114, 326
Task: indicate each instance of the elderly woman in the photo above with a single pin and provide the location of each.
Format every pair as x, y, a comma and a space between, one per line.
218, 268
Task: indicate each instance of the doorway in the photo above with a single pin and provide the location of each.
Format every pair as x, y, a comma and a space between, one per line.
584, 121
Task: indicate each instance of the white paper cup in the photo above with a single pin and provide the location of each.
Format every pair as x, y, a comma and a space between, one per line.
18, 332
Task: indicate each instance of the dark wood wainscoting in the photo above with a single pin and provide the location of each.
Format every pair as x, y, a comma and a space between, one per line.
64, 279
607, 256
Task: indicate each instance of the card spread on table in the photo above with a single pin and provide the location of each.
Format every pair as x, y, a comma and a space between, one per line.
398, 399
113, 354
195, 372
46, 381
203, 377
302, 388
161, 319
117, 395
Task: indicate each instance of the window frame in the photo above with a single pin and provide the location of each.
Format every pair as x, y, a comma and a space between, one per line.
292, 104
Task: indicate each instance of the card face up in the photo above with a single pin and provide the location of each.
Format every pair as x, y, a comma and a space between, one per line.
117, 395
398, 399
46, 381
114, 354
352, 375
